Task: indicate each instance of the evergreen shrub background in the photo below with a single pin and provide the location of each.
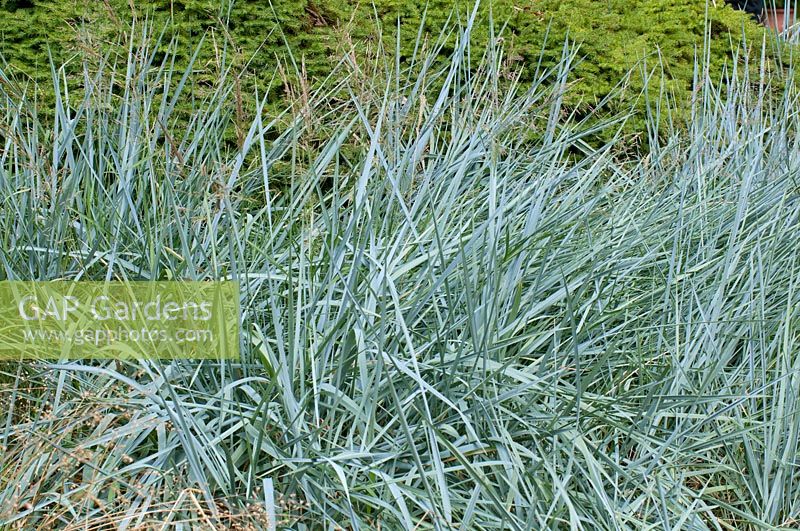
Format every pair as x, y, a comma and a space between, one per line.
614, 35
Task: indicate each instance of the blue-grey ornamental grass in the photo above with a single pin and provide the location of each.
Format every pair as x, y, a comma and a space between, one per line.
458, 310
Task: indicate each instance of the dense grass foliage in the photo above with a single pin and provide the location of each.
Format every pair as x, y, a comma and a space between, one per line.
448, 327
306, 37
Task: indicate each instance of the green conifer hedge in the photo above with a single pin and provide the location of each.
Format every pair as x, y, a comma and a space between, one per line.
614, 36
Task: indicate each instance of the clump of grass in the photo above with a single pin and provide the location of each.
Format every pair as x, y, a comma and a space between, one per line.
473, 320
